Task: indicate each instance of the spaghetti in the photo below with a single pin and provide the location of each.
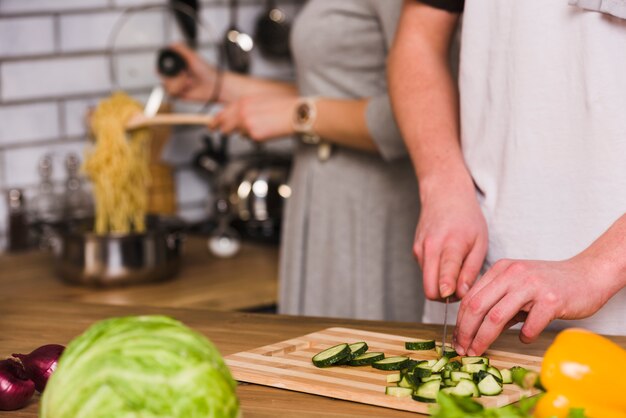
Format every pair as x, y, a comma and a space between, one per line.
118, 167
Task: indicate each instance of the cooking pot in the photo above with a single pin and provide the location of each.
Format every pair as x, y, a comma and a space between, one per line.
118, 259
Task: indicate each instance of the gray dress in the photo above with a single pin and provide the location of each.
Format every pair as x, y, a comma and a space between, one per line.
349, 224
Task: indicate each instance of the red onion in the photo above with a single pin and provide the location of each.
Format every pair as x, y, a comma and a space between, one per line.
41, 363
15, 387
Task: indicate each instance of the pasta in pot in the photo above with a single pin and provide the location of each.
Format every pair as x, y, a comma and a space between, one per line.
118, 167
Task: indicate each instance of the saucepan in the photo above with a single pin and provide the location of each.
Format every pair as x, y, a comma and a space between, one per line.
114, 259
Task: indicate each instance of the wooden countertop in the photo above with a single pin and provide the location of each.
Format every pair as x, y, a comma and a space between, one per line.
26, 324
244, 282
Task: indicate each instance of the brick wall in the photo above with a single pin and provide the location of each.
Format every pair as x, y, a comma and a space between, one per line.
54, 64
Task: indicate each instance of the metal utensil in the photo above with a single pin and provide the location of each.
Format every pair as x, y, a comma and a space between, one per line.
272, 32
237, 44
445, 328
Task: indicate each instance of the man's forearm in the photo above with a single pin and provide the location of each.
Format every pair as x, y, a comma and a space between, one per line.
424, 94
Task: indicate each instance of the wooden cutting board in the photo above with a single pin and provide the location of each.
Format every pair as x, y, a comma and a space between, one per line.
287, 365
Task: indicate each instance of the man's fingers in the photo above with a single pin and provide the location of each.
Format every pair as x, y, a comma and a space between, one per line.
449, 268
471, 267
474, 308
539, 317
430, 270
497, 320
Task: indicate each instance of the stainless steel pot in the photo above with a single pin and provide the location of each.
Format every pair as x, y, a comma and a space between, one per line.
109, 260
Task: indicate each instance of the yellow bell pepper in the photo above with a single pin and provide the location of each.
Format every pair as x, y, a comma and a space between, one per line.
583, 370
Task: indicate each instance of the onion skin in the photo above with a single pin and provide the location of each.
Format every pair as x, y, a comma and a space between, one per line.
15, 387
41, 363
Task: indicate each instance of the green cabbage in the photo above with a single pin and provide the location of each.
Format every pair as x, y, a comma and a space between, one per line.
140, 367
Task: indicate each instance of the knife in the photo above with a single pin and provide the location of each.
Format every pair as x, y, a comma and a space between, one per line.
445, 328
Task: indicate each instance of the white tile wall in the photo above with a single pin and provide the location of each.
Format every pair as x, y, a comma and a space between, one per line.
26, 36
95, 31
57, 77
54, 66
40, 6
28, 122
20, 164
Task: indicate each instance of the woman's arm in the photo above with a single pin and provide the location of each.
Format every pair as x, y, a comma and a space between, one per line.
262, 118
197, 83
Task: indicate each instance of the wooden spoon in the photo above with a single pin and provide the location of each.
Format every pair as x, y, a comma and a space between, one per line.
142, 121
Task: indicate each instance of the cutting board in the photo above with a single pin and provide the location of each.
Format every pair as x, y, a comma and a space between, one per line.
287, 365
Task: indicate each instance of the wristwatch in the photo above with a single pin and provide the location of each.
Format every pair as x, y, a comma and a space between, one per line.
304, 117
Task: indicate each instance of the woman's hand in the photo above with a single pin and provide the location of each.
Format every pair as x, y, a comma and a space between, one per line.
196, 82
258, 117
535, 292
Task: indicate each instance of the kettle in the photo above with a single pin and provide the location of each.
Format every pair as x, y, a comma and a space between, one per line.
258, 194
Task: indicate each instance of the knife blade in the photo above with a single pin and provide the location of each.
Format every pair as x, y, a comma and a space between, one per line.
445, 328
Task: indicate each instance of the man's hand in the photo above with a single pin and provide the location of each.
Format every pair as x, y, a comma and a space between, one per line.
258, 117
535, 292
451, 238
196, 82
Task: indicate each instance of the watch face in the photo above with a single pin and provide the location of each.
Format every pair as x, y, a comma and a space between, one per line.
302, 113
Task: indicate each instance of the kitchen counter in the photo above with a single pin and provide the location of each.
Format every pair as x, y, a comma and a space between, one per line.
26, 324
247, 281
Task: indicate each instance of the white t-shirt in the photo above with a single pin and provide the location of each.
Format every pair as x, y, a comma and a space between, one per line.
543, 121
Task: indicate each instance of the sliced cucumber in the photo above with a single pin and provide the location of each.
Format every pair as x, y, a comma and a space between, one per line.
438, 366
466, 388
449, 352
506, 376
406, 382
427, 392
399, 392
475, 360
474, 368
430, 363
432, 377
394, 377
331, 355
391, 363
489, 386
422, 370
449, 383
495, 372
453, 365
356, 349
420, 345
366, 359
457, 376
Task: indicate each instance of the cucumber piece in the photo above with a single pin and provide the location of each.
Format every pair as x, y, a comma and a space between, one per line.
430, 363
446, 373
366, 358
394, 377
525, 378
449, 352
331, 356
427, 392
457, 376
453, 365
391, 363
398, 392
422, 370
489, 386
475, 360
449, 383
474, 368
495, 372
356, 349
420, 345
438, 366
466, 388
406, 382
506, 376
432, 377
